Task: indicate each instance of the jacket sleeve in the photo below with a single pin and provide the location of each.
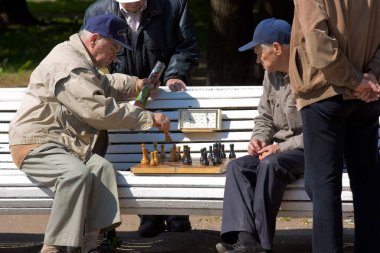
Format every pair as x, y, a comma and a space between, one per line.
374, 65
186, 53
83, 93
323, 48
264, 128
295, 142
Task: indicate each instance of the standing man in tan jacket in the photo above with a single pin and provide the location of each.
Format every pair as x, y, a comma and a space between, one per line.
65, 105
334, 73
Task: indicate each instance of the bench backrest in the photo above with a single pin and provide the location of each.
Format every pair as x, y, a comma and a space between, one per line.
238, 104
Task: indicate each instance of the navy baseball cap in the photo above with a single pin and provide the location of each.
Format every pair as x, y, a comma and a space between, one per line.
109, 26
269, 31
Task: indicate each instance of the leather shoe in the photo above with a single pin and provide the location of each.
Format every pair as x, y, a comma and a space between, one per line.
151, 226
223, 247
246, 247
178, 225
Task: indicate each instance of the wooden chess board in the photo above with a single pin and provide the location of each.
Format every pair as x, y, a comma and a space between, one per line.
179, 168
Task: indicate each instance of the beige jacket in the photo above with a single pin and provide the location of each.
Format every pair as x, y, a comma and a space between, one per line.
278, 120
333, 42
68, 101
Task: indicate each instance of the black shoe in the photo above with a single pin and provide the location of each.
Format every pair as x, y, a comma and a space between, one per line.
178, 223
247, 247
223, 247
151, 225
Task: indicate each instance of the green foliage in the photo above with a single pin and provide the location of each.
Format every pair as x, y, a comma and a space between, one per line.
23, 47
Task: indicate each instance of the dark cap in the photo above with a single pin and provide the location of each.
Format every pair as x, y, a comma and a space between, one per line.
269, 31
109, 26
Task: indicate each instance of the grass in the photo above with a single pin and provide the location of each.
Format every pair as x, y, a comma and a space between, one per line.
23, 47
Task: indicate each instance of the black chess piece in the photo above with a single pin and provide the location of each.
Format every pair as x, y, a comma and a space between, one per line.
232, 151
204, 160
210, 153
223, 152
215, 155
186, 158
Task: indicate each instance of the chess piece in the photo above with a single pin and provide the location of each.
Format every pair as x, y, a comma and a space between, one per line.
232, 151
173, 154
145, 158
168, 139
162, 154
156, 158
215, 155
186, 158
152, 162
178, 152
154, 146
210, 153
223, 153
204, 160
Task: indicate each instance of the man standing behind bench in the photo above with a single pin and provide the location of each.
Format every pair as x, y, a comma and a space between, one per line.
51, 137
158, 30
255, 183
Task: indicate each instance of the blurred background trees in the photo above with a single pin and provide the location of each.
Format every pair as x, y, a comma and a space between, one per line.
29, 29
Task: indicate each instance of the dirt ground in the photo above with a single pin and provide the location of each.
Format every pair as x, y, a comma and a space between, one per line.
24, 234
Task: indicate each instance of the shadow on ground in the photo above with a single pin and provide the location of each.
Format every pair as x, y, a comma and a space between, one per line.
200, 241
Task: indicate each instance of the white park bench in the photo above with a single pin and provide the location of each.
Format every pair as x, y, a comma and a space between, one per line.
193, 194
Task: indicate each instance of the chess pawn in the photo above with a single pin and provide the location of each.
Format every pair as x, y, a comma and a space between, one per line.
232, 151
173, 155
156, 158
223, 153
162, 154
152, 162
210, 153
145, 158
178, 153
184, 153
154, 146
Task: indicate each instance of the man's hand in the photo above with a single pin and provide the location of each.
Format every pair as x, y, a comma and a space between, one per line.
161, 121
146, 81
368, 89
176, 85
270, 149
254, 146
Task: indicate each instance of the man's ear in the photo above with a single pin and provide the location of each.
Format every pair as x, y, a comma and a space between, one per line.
277, 48
94, 37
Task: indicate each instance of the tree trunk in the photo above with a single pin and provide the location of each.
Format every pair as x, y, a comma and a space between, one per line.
282, 9
15, 12
231, 26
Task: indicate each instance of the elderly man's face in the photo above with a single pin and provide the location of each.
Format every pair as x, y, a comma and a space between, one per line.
266, 57
133, 7
104, 52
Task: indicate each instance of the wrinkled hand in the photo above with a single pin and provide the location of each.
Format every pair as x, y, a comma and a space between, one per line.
176, 85
368, 89
255, 146
161, 121
146, 81
268, 150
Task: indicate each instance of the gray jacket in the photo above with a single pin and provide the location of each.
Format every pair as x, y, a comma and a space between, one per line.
278, 119
68, 101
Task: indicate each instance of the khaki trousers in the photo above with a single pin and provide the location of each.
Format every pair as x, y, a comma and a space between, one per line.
85, 199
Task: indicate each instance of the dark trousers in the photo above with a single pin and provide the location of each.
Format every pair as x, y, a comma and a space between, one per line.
253, 194
335, 129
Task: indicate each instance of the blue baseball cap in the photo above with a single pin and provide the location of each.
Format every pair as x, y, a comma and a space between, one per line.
109, 26
269, 31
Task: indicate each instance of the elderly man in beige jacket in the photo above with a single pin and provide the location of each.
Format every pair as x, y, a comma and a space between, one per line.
65, 105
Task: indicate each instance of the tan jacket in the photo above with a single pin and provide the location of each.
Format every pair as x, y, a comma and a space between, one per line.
333, 42
278, 120
68, 101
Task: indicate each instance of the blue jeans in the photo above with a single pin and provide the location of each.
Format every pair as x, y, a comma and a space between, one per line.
337, 130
